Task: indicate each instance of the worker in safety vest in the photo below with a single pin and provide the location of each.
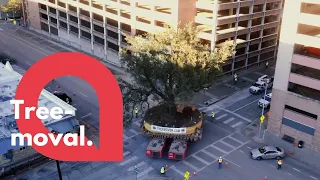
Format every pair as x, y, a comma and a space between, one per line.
279, 163
212, 114
137, 112
162, 170
235, 76
219, 162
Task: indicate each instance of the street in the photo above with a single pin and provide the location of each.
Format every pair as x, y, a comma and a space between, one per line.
223, 136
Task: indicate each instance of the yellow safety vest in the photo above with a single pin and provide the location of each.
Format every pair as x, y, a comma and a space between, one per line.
137, 111
279, 162
220, 160
162, 170
212, 114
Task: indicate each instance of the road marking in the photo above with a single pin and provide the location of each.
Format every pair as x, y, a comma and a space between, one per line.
246, 105
142, 173
201, 160
244, 118
236, 140
229, 120
132, 137
208, 94
137, 123
227, 144
272, 166
209, 154
190, 165
222, 116
74, 104
21, 50
133, 131
129, 160
138, 165
241, 151
232, 162
83, 94
28, 63
176, 170
249, 147
126, 153
296, 169
289, 174
3, 41
221, 150
125, 137
1, 29
237, 124
248, 79
86, 115
314, 178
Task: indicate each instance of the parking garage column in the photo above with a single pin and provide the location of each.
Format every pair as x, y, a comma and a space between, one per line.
68, 19
91, 27
48, 10
57, 15
105, 34
133, 17
261, 32
248, 35
153, 12
78, 15
214, 26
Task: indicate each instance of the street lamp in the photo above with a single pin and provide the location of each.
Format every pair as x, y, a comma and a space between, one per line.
263, 105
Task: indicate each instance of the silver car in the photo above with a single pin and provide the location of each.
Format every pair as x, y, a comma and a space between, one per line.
267, 152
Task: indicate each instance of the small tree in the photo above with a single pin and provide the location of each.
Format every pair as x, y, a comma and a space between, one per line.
13, 5
168, 67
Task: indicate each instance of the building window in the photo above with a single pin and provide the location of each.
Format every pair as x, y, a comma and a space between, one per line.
299, 111
298, 126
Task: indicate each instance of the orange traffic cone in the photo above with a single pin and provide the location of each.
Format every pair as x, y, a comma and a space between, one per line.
227, 164
194, 173
167, 167
265, 178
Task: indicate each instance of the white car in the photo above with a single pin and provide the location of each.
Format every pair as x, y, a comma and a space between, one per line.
263, 77
259, 86
265, 101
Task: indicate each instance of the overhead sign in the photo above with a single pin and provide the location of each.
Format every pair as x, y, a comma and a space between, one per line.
168, 130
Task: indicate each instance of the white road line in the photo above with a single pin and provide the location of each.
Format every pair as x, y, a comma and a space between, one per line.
201, 160
126, 153
21, 50
209, 154
133, 131
296, 169
244, 118
142, 173
237, 124
221, 150
272, 166
229, 120
232, 162
129, 160
246, 105
138, 165
190, 165
314, 178
236, 140
125, 137
289, 174
222, 116
137, 123
86, 115
83, 94
227, 144
1, 29
29, 64
176, 170
241, 151
132, 137
202, 108
3, 41
249, 147
74, 104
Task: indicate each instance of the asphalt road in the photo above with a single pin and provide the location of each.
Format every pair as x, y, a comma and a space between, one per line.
222, 135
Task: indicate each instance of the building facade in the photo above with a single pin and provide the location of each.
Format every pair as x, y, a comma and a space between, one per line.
99, 27
295, 106
17, 156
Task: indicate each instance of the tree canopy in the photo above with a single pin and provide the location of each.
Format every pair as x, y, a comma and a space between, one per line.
13, 5
168, 67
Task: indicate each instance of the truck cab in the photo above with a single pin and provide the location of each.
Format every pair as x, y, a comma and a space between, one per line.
259, 86
265, 101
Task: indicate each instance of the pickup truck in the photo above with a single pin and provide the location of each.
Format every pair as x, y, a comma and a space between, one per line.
265, 101
259, 86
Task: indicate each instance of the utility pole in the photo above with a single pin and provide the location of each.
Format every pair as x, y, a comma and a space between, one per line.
136, 170
23, 12
59, 170
263, 106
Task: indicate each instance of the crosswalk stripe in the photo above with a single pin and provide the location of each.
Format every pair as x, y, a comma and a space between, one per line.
219, 149
138, 165
227, 144
201, 160
223, 115
229, 120
237, 124
236, 140
202, 108
137, 123
146, 171
190, 165
209, 154
133, 131
176, 170
126, 153
125, 137
129, 160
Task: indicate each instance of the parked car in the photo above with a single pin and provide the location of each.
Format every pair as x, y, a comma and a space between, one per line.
262, 78
265, 101
267, 152
63, 96
259, 86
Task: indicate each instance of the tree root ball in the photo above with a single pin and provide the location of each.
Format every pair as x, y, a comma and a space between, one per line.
177, 116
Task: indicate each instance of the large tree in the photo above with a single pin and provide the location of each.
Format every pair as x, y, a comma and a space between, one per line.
168, 67
13, 5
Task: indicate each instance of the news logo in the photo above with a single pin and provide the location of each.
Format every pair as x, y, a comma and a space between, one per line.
80, 148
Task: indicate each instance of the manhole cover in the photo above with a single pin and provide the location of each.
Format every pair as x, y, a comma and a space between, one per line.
126, 143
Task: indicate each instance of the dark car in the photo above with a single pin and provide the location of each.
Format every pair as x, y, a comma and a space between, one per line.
63, 96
